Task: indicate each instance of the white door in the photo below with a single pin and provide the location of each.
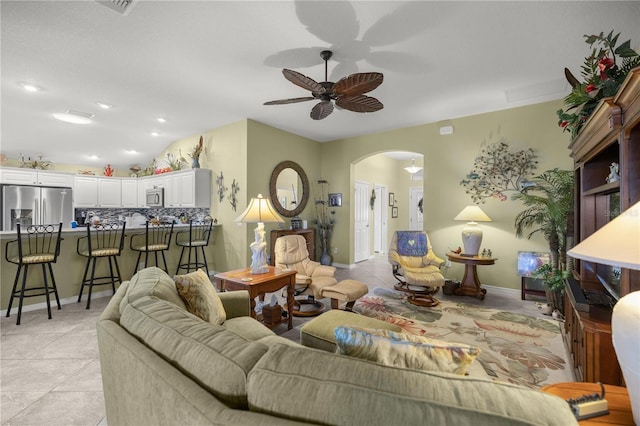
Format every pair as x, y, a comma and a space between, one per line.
380, 220
361, 221
416, 200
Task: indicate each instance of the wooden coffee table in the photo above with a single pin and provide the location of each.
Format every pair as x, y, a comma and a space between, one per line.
259, 284
470, 285
616, 396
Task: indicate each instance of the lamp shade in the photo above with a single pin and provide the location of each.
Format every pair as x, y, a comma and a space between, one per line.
472, 214
616, 244
259, 210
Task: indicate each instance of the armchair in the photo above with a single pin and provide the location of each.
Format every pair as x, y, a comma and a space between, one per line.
416, 267
311, 277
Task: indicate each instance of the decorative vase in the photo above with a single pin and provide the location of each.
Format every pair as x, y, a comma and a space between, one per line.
195, 164
325, 258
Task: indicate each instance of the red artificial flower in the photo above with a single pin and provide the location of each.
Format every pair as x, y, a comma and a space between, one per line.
564, 124
590, 88
604, 64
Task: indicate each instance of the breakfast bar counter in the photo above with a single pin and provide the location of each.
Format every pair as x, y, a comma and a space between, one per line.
69, 268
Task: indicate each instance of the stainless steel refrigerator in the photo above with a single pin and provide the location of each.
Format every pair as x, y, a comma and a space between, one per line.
28, 205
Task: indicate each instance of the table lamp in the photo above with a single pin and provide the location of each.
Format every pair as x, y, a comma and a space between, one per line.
471, 233
618, 244
259, 210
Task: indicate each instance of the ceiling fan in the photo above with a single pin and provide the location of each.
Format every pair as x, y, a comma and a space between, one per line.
347, 93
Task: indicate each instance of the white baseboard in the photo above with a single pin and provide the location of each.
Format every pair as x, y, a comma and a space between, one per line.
67, 301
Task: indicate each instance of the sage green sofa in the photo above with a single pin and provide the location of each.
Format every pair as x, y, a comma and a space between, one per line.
163, 366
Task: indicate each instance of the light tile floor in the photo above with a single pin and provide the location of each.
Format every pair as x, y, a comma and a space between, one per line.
50, 370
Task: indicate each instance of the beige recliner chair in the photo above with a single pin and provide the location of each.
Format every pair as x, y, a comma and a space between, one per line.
416, 267
291, 252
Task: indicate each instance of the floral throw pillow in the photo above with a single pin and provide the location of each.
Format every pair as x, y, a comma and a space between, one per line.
200, 296
404, 350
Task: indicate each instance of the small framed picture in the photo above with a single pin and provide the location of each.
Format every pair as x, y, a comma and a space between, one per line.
335, 200
394, 212
392, 199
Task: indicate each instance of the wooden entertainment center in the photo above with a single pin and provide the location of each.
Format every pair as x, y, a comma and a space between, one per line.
610, 135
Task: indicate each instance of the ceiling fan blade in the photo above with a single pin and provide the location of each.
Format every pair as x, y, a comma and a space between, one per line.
357, 84
303, 81
321, 110
289, 101
359, 103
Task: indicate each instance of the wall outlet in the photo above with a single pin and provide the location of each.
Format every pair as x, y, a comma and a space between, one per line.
335, 250
447, 263
141, 266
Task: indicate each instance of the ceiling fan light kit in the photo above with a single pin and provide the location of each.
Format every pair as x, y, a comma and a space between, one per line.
347, 93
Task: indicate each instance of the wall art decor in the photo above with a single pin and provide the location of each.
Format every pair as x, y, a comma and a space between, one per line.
335, 200
235, 188
394, 212
498, 170
392, 199
221, 188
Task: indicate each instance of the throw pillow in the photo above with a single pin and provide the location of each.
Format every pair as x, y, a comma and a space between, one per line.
200, 296
404, 350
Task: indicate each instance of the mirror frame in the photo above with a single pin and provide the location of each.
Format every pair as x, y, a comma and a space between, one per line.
273, 189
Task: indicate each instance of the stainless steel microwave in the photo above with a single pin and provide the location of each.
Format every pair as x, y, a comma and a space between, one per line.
155, 197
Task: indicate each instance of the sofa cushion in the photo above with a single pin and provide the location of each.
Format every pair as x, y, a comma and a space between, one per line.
336, 388
404, 350
218, 359
152, 282
248, 328
200, 296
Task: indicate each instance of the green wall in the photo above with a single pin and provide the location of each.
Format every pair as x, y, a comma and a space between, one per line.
447, 160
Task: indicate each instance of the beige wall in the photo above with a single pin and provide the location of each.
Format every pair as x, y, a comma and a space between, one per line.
248, 151
447, 159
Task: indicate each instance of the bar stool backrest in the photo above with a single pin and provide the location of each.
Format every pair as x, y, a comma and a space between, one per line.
157, 235
108, 236
39, 240
200, 231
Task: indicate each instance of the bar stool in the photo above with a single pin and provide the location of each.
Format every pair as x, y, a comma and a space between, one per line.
36, 245
157, 239
103, 241
197, 237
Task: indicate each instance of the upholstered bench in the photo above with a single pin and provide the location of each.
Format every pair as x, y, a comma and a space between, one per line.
318, 333
346, 291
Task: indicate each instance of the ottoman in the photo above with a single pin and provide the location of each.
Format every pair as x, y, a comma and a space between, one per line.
318, 333
347, 291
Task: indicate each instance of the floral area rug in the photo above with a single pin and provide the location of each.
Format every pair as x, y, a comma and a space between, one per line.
516, 348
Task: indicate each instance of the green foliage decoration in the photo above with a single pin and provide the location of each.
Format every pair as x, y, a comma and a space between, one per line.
603, 72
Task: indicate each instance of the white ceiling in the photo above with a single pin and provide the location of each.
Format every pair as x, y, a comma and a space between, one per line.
204, 64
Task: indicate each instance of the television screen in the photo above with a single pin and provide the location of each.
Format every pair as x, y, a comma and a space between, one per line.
529, 261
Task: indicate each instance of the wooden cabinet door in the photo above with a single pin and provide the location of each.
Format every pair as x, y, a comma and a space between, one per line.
129, 191
85, 191
109, 192
18, 176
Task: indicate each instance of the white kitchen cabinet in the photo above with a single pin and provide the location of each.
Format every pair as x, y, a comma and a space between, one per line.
188, 188
129, 190
93, 191
109, 192
19, 176
85, 191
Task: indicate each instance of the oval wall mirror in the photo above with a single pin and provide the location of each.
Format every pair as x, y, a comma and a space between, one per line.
289, 188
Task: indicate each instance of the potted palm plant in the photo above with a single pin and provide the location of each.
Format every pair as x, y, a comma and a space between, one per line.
549, 211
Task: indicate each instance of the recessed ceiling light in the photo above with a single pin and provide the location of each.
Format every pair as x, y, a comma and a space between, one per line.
161, 120
30, 87
131, 151
155, 134
104, 105
93, 157
75, 117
